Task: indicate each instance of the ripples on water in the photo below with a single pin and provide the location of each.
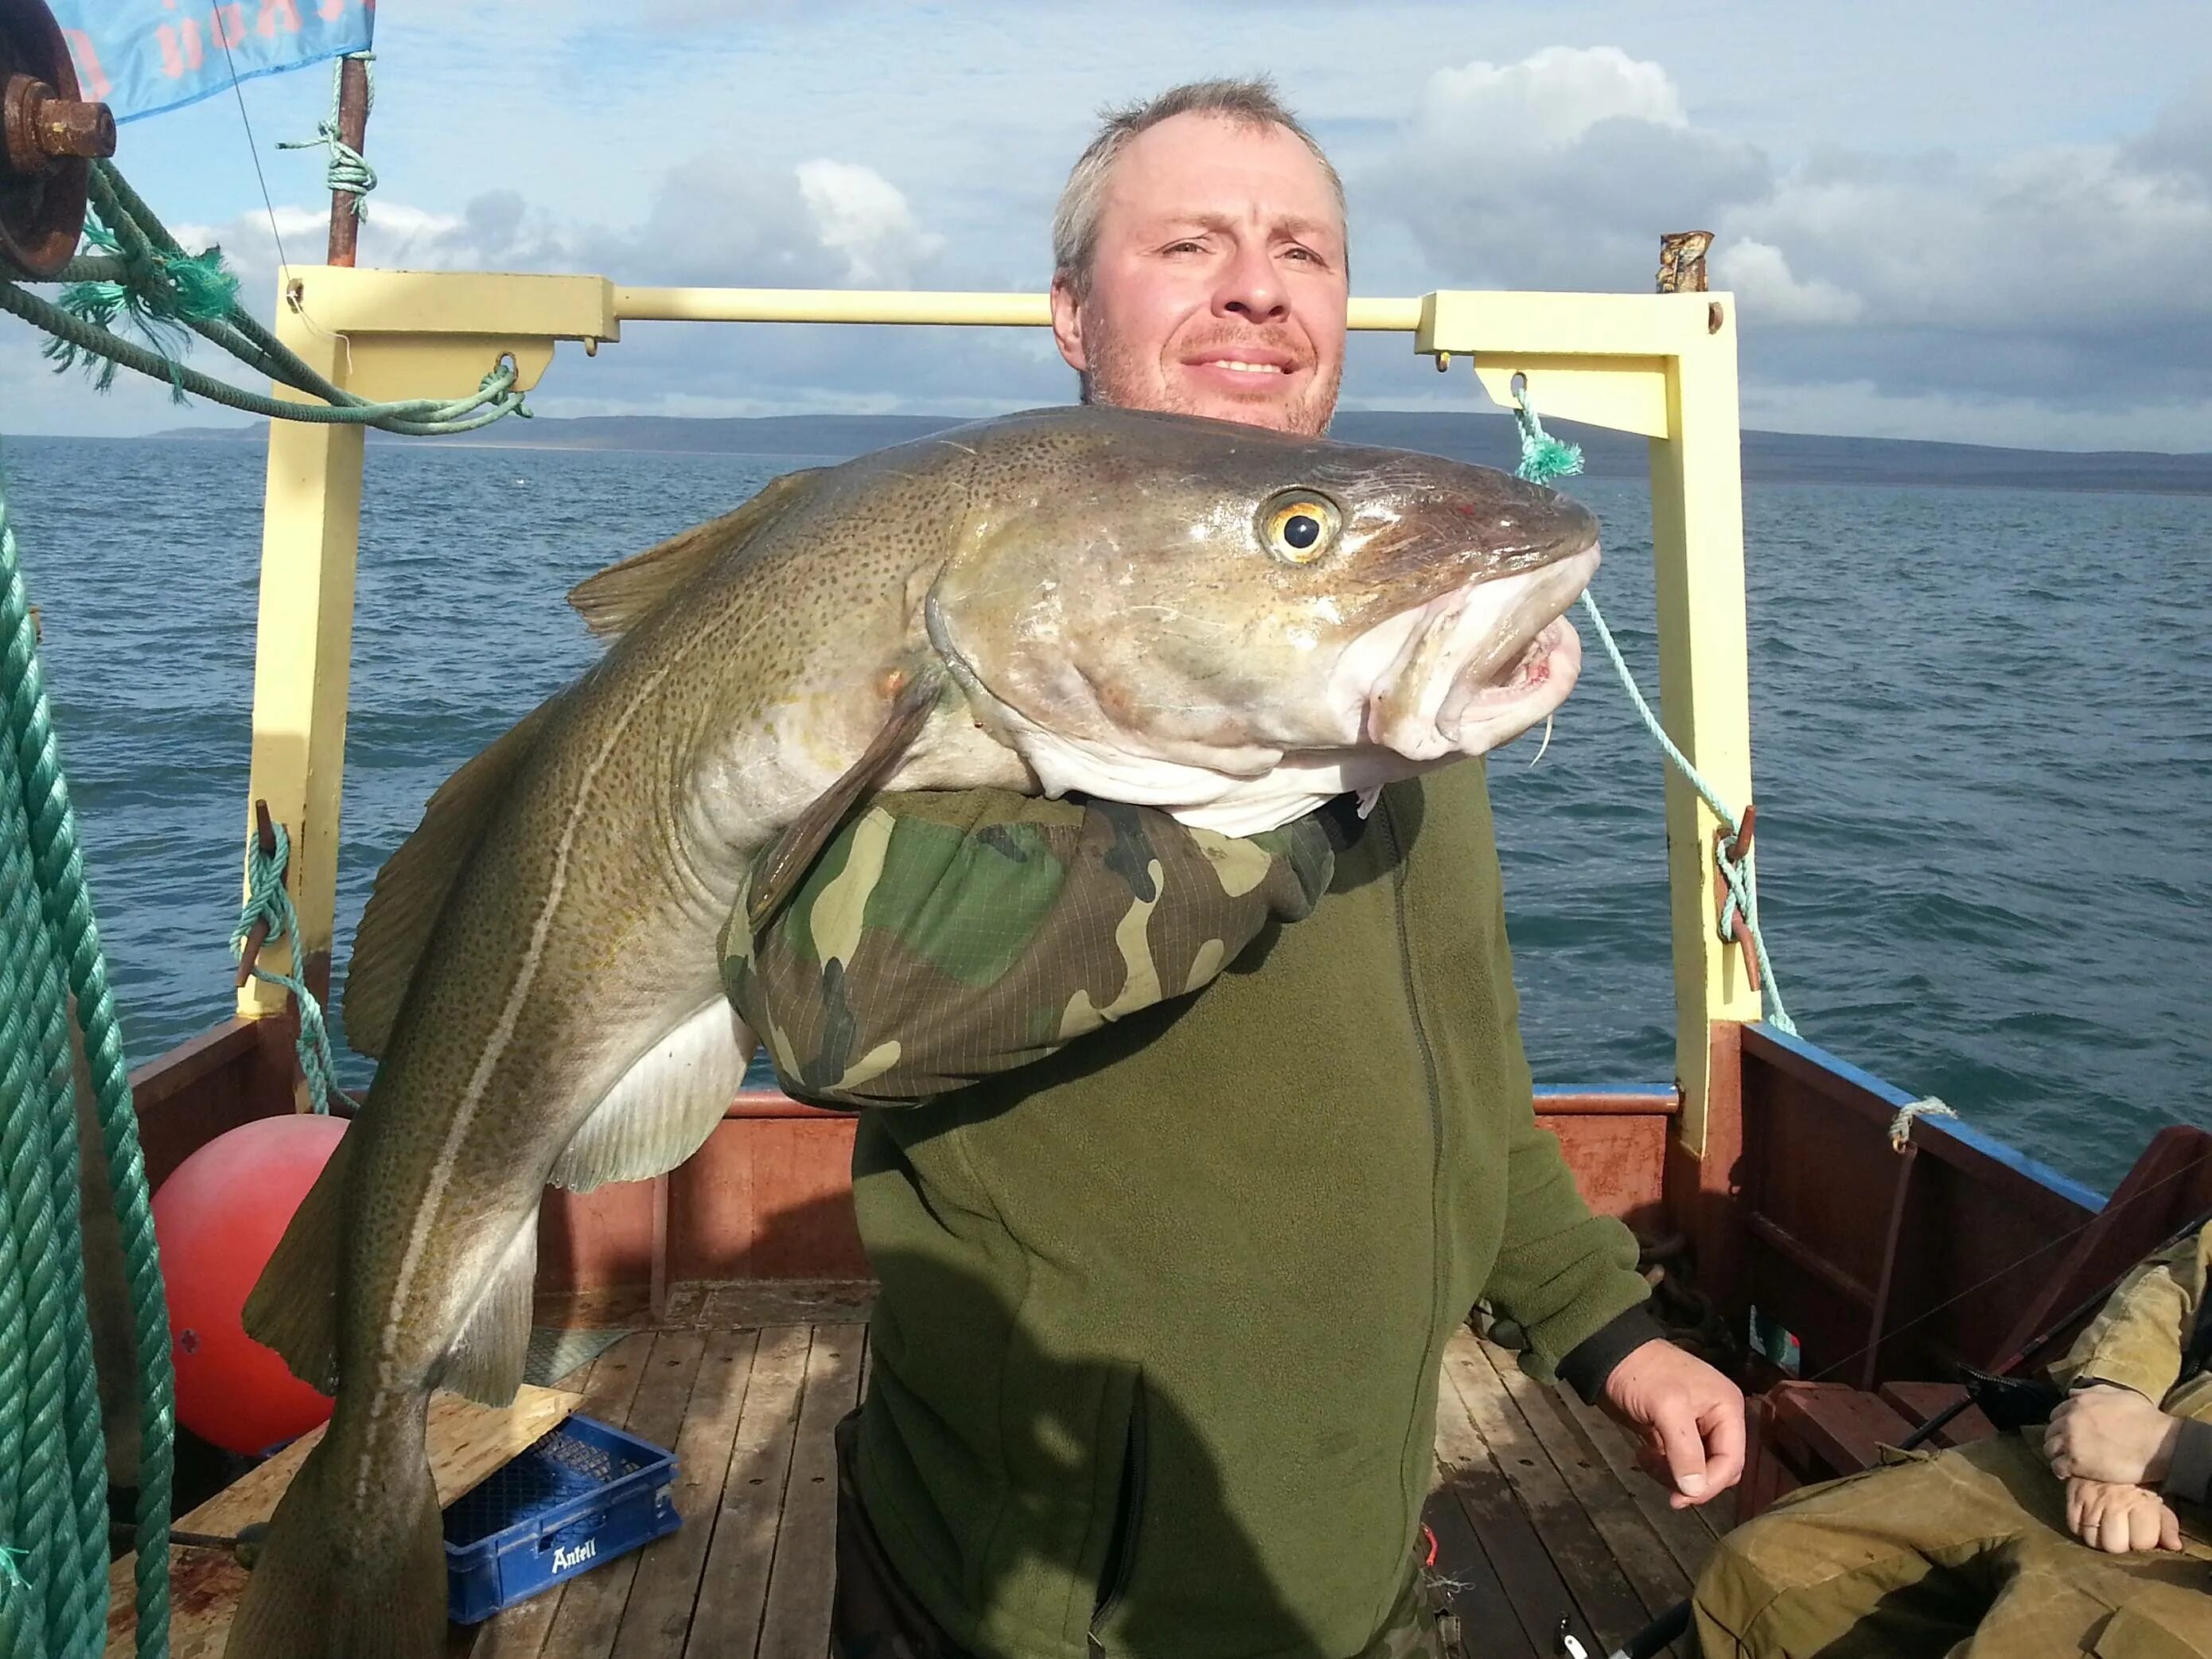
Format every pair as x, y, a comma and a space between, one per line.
1982, 736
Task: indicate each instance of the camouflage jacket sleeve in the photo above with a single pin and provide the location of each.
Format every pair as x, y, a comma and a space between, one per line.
942, 938
2146, 1328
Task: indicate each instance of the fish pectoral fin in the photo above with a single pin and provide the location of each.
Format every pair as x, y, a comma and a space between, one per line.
412, 887
487, 1359
664, 1106
293, 1305
612, 602
803, 839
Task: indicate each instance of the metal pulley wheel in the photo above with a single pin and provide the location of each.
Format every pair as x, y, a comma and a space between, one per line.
49, 137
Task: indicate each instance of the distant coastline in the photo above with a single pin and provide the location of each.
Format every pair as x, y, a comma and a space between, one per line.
1768, 456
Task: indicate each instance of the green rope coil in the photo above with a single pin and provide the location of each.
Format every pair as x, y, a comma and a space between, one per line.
52, 1489
1544, 458
152, 269
266, 901
348, 173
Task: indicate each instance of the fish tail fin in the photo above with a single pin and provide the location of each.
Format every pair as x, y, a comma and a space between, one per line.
344, 1579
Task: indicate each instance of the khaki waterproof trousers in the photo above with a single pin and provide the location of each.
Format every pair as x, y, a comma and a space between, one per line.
1959, 1554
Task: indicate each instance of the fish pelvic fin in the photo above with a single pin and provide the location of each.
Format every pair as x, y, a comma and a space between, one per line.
337, 1581
778, 875
293, 1305
415, 883
665, 1106
618, 597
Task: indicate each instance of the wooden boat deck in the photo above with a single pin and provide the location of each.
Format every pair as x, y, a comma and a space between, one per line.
1539, 1513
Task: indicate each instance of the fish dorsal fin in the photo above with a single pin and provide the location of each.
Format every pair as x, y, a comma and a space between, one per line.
412, 887
794, 851
611, 602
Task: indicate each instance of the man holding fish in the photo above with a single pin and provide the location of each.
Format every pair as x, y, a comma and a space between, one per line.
1162, 1309
1166, 1278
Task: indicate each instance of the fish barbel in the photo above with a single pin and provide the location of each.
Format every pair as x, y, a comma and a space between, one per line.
1231, 624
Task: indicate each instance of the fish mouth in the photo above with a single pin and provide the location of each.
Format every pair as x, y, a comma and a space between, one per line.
1471, 669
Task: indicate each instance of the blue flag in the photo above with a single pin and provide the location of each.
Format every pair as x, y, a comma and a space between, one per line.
142, 57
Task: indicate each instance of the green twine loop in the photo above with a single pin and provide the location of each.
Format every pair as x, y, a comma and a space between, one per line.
267, 901
349, 171
158, 294
1544, 458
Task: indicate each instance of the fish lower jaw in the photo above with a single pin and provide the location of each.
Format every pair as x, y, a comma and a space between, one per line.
1480, 718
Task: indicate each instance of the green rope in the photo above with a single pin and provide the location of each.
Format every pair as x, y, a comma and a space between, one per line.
168, 287
52, 1484
1544, 458
266, 901
349, 171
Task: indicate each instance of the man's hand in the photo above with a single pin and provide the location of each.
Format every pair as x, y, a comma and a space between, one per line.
2116, 1517
1691, 1415
2110, 1433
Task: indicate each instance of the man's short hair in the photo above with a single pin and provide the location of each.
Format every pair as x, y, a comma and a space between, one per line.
1075, 223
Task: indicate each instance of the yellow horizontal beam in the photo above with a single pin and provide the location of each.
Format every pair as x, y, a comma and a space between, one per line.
801, 305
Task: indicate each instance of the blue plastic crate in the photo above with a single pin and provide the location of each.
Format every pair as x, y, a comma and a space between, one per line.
585, 1493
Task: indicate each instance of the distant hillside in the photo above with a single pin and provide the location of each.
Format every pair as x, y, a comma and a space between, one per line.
1774, 456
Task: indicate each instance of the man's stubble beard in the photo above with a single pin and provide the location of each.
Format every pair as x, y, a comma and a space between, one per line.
1117, 377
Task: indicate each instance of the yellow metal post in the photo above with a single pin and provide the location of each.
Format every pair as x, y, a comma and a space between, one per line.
311, 527
1705, 691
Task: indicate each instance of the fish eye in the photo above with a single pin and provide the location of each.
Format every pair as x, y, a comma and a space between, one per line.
1299, 526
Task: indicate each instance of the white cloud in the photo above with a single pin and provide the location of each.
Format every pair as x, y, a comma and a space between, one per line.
1761, 276
864, 216
1546, 100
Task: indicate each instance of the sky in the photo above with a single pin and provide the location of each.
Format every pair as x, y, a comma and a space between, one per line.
1981, 223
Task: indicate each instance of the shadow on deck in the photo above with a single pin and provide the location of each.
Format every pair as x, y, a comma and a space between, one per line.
1540, 1514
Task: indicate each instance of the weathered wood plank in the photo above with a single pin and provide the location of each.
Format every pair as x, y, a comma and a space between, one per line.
659, 1615
467, 1442
1688, 1535
797, 1622
1485, 1614
1600, 1589
1538, 1594
1657, 1579
726, 1623
590, 1613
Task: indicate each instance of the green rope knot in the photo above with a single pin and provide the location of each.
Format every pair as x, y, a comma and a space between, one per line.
267, 901
160, 295
348, 173
1543, 458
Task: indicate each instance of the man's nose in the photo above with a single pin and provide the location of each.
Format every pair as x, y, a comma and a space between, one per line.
1251, 288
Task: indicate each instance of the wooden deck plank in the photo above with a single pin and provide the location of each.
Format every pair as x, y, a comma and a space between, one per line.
609, 1387
1600, 1588
1486, 1613
591, 1613
1657, 1579
467, 1442
733, 1586
1689, 1534
666, 1588
797, 1622
1538, 1594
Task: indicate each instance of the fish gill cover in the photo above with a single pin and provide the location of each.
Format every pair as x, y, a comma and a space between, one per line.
143, 57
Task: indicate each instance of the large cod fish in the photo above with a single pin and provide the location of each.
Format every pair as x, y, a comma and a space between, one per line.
1228, 622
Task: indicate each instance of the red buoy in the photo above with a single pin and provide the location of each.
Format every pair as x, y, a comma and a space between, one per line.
218, 1220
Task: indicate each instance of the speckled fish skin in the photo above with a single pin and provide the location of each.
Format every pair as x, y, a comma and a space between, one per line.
1095, 572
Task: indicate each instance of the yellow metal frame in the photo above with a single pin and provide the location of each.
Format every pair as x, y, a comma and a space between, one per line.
1664, 366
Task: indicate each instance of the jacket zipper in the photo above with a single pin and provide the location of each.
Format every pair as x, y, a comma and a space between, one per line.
1389, 822
1122, 1555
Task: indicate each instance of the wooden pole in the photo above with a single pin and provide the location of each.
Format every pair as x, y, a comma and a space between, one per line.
353, 128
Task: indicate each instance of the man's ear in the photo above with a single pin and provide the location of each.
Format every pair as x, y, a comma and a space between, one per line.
1068, 323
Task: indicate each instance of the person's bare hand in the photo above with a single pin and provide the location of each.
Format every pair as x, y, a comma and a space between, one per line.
2110, 1433
2117, 1517
1691, 1415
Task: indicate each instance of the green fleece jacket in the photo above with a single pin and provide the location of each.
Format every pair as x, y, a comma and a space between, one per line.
1166, 1277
